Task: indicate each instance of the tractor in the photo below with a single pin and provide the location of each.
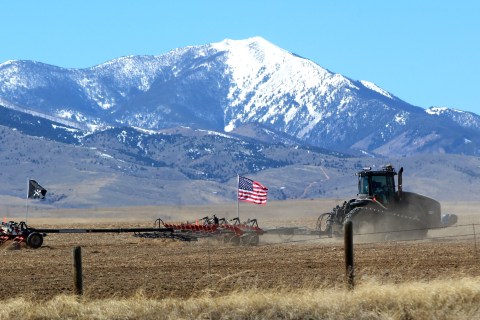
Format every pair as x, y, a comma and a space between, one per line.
385, 211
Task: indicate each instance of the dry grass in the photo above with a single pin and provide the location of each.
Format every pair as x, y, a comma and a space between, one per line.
440, 299
426, 280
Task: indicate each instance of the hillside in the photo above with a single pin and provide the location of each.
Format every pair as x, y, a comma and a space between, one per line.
228, 85
178, 128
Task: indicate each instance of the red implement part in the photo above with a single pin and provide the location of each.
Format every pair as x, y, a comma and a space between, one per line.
19, 239
250, 226
232, 231
211, 228
233, 228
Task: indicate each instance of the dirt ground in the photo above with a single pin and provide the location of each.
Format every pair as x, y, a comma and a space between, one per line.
121, 265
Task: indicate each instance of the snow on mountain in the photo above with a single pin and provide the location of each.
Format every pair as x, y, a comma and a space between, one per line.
232, 84
263, 73
463, 118
374, 87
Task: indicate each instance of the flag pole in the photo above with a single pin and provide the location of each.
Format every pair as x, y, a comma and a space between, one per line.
238, 202
26, 201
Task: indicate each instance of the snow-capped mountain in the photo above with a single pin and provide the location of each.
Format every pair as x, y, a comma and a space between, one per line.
463, 118
228, 85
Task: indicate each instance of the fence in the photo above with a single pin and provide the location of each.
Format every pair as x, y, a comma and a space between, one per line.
120, 264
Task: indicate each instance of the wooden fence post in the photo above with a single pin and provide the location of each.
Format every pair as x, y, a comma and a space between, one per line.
77, 271
349, 268
475, 239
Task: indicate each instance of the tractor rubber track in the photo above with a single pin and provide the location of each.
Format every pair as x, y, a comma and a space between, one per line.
355, 211
401, 226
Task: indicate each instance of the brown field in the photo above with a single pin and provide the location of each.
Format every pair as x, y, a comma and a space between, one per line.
122, 266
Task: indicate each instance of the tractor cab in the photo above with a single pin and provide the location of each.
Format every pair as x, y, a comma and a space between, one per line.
377, 184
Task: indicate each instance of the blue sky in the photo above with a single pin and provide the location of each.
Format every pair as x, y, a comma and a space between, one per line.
425, 52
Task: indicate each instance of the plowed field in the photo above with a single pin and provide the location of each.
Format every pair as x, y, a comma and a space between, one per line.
121, 265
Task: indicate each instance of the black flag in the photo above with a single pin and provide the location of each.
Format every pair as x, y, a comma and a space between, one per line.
36, 191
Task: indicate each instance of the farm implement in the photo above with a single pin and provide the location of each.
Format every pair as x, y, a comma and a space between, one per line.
20, 232
33, 238
228, 231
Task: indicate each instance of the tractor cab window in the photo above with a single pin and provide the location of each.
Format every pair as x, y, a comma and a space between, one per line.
363, 185
380, 186
383, 187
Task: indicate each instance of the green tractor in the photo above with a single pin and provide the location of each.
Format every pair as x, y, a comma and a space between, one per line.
382, 210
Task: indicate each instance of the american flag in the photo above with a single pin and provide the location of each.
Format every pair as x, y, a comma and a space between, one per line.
251, 191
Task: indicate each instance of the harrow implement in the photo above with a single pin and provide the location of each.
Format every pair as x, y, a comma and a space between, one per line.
22, 233
228, 231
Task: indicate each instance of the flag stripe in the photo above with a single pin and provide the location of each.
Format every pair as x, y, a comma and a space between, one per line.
251, 191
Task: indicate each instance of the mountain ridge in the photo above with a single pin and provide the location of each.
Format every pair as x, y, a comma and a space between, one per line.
126, 166
178, 128
228, 84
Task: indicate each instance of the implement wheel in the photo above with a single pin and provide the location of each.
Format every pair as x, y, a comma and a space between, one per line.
235, 240
324, 225
34, 240
251, 240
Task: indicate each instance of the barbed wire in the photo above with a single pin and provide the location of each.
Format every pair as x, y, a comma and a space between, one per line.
209, 246
214, 256
317, 238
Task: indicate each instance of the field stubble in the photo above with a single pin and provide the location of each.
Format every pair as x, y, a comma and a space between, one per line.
124, 267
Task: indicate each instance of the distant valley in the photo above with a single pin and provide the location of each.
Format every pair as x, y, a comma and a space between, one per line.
177, 129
